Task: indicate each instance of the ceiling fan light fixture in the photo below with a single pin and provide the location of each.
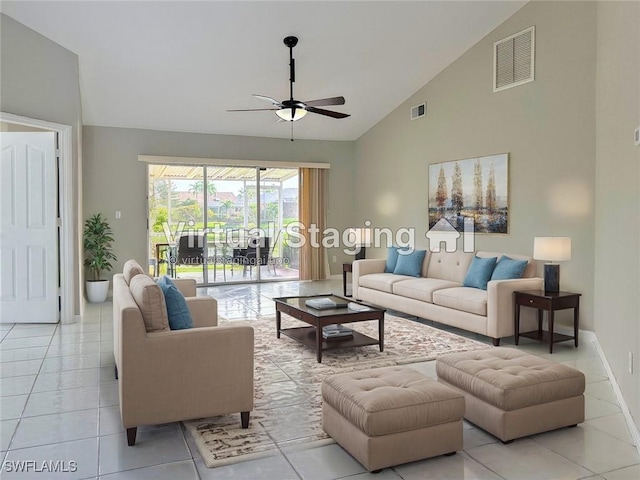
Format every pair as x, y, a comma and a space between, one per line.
291, 114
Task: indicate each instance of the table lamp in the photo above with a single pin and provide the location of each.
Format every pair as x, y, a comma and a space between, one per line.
362, 239
552, 249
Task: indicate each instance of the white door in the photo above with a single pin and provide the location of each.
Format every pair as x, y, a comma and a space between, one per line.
28, 228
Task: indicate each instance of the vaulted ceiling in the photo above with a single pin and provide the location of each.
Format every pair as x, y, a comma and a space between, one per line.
180, 65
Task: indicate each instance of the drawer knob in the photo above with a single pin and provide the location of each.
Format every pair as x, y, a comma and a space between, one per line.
530, 301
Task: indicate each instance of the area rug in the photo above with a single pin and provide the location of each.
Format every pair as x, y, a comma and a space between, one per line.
287, 407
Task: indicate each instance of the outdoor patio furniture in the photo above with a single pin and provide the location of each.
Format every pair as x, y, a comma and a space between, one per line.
257, 253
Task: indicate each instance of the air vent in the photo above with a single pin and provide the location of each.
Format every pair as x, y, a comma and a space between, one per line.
513, 60
418, 111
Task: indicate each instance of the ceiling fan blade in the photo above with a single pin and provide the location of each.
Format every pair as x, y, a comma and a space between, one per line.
328, 113
268, 99
253, 110
325, 101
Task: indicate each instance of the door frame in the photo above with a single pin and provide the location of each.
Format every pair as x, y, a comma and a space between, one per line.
66, 247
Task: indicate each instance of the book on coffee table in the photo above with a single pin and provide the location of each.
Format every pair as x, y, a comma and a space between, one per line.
324, 303
336, 331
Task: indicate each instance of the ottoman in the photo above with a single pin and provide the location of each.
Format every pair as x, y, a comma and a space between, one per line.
391, 415
512, 394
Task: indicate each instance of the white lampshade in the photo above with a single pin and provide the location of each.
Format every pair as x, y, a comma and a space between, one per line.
553, 249
286, 114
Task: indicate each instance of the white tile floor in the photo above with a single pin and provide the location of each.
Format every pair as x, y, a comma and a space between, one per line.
59, 401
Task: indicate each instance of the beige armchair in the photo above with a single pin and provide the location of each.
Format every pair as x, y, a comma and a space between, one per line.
174, 375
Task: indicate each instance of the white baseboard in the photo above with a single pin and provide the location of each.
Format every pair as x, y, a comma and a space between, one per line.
633, 429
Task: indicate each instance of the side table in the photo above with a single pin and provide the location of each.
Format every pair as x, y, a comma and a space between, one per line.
346, 268
549, 301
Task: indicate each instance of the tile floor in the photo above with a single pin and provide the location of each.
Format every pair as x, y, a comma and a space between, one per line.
59, 401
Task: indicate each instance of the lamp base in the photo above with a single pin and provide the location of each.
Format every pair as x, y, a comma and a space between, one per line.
551, 277
360, 255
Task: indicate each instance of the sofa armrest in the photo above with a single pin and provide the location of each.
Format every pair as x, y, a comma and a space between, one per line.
204, 311
182, 374
365, 267
500, 304
187, 286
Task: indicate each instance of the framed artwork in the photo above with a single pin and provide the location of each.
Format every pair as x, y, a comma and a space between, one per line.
475, 188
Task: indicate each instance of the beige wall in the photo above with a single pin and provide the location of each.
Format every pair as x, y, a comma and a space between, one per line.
547, 126
617, 234
114, 179
39, 79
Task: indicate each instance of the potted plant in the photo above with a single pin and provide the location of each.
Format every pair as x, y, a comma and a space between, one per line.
97, 238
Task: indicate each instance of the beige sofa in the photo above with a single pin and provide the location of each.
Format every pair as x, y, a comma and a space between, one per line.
440, 296
174, 375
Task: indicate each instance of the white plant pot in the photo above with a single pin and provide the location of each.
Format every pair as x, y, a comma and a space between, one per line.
97, 290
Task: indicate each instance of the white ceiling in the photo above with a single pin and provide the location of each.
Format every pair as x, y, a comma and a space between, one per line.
180, 65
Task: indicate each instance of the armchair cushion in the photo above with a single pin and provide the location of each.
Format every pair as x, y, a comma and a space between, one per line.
177, 309
130, 270
150, 299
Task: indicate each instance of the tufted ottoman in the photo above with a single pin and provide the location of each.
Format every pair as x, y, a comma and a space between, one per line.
512, 394
392, 415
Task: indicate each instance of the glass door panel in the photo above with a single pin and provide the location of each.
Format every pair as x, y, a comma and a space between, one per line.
176, 221
232, 214
232, 222
279, 208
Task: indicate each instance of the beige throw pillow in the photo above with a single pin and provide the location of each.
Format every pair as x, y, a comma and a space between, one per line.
150, 299
130, 270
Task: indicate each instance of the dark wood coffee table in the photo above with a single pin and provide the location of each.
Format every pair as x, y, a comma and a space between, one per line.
312, 336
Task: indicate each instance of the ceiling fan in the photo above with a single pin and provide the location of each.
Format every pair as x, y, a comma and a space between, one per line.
292, 109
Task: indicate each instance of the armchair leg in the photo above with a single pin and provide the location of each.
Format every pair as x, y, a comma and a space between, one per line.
496, 342
115, 370
131, 436
245, 419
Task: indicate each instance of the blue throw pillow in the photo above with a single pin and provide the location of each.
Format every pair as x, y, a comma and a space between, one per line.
392, 260
480, 272
177, 309
508, 269
167, 280
410, 264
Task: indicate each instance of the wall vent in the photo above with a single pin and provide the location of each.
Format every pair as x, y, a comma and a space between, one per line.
513, 60
418, 111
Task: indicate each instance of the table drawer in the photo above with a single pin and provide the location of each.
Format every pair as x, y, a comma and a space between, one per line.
527, 301
290, 311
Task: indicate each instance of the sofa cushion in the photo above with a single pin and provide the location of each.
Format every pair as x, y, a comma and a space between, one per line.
421, 288
480, 272
381, 281
449, 266
150, 300
131, 269
465, 299
410, 263
508, 269
177, 308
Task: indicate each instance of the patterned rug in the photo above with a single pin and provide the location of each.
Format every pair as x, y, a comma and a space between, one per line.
287, 406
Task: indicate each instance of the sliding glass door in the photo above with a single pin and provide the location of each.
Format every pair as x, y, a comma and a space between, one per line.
221, 224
